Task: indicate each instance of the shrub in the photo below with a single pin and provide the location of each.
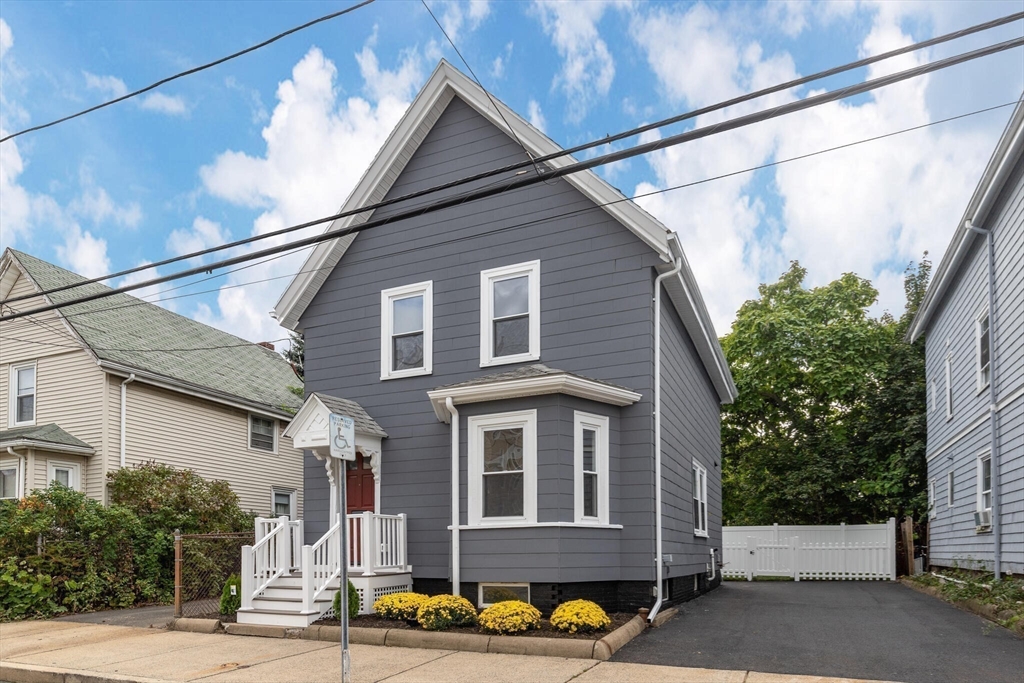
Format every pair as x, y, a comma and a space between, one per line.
580, 616
444, 611
230, 602
25, 592
496, 595
353, 602
398, 605
510, 616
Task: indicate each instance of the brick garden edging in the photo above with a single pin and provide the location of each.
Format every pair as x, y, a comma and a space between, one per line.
981, 609
571, 648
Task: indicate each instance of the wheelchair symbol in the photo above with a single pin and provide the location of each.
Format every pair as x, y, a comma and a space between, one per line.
341, 442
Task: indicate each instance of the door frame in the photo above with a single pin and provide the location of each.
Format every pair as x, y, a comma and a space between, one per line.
374, 456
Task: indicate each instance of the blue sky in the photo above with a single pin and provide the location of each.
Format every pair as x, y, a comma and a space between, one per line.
280, 136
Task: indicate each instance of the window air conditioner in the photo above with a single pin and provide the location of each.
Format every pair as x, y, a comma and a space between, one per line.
983, 519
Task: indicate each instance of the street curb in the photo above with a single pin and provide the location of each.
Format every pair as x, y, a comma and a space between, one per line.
258, 630
570, 648
664, 616
195, 625
973, 606
30, 673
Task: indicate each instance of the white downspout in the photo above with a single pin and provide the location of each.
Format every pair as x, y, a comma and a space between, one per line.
659, 564
23, 469
456, 584
124, 412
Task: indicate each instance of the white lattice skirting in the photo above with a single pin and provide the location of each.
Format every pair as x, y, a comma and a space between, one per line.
372, 587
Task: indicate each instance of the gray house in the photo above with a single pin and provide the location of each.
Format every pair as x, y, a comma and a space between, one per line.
973, 320
503, 361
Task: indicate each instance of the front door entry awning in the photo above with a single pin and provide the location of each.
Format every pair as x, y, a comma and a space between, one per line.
309, 428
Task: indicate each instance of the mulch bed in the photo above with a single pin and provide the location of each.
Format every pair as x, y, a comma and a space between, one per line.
546, 630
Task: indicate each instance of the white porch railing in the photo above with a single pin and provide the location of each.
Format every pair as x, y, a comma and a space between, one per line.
320, 565
268, 559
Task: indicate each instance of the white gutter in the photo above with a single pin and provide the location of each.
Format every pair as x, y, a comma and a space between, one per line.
124, 413
22, 469
456, 583
659, 564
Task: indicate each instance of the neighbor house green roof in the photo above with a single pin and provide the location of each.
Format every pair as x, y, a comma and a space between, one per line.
48, 436
126, 331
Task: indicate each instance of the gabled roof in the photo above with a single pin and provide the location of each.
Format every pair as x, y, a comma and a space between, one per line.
48, 437
343, 406
445, 83
119, 329
1007, 153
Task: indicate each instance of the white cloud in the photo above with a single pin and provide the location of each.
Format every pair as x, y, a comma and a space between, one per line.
588, 68
501, 61
172, 105
252, 95
84, 253
310, 121
6, 38
96, 205
111, 86
456, 15
536, 116
203, 235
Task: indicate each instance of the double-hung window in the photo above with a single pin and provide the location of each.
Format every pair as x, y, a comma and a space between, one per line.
502, 468
932, 512
510, 314
262, 434
700, 500
23, 394
406, 330
985, 482
949, 489
949, 385
981, 335
10, 480
65, 474
591, 468
283, 502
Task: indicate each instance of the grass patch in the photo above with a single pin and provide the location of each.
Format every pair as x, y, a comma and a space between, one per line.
957, 585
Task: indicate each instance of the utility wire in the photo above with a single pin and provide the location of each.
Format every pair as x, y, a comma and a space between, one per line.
574, 212
566, 152
195, 70
516, 183
179, 350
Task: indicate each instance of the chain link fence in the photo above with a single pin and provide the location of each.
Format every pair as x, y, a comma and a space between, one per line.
202, 565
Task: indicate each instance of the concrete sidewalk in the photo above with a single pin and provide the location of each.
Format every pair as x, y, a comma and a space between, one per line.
64, 651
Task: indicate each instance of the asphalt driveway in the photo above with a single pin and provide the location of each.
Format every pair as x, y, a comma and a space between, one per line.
857, 629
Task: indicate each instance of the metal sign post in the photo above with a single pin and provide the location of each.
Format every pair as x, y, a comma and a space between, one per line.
343, 447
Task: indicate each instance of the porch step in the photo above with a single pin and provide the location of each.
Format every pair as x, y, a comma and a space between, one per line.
277, 617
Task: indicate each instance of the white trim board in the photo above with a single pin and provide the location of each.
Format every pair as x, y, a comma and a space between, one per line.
445, 83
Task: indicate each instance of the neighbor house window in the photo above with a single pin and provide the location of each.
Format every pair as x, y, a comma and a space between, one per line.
949, 489
262, 434
23, 394
491, 593
65, 474
700, 500
9, 480
510, 314
982, 338
283, 502
949, 386
406, 330
931, 499
503, 468
591, 467
984, 482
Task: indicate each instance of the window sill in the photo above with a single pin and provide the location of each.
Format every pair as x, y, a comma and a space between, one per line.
983, 530
401, 374
508, 360
533, 525
701, 534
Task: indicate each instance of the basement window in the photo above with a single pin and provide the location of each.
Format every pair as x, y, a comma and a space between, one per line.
493, 593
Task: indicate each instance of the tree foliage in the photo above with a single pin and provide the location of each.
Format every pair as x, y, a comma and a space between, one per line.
829, 425
296, 354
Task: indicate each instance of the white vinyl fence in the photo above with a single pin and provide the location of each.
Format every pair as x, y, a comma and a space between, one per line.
843, 552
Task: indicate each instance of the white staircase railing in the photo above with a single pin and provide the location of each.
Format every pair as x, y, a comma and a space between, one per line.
268, 559
321, 564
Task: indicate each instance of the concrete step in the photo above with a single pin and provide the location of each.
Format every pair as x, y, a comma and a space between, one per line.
276, 617
291, 603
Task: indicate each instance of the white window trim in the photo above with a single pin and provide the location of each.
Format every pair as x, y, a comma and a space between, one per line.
530, 269
981, 384
74, 467
248, 434
387, 296
932, 512
949, 385
475, 426
979, 478
703, 499
499, 584
12, 398
599, 424
291, 493
19, 477
950, 481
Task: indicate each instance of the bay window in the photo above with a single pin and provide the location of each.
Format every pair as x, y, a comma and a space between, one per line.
502, 468
591, 468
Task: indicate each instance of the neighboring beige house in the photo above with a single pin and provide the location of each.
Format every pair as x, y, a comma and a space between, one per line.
118, 381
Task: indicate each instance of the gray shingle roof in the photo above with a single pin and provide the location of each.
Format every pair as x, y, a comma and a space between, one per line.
48, 433
120, 329
343, 406
523, 372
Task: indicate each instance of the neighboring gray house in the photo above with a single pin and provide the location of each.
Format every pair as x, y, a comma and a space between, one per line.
973, 321
506, 355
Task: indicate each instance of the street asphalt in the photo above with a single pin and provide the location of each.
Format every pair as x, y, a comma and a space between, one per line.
856, 629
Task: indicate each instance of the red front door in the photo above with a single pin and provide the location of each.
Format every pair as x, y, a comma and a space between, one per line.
359, 489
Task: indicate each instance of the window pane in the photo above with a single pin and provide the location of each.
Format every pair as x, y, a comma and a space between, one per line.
26, 408
503, 494
983, 342
496, 594
262, 433
511, 296
589, 436
590, 495
512, 336
26, 380
282, 504
986, 474
408, 315
8, 483
503, 450
696, 513
408, 352
62, 476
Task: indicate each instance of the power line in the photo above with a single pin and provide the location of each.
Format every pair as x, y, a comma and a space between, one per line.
195, 70
561, 153
180, 350
566, 214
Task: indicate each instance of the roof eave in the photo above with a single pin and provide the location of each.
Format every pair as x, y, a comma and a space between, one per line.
38, 444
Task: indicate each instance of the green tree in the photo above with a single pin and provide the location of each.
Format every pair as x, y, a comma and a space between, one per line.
296, 354
826, 427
